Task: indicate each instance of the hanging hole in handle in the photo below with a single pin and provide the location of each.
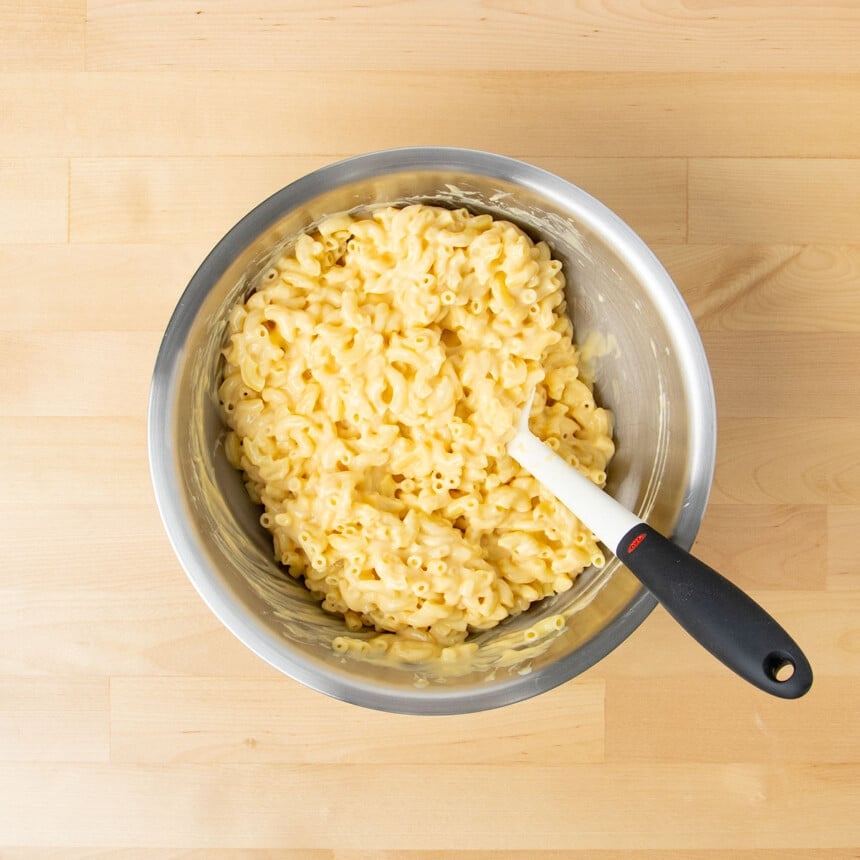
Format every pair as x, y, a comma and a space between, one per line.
779, 666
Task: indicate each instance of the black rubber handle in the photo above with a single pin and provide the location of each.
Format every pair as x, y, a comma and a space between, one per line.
729, 623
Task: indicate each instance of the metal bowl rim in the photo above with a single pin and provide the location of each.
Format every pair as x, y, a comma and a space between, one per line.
237, 618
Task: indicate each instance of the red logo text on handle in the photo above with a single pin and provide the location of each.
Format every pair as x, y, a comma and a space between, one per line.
635, 542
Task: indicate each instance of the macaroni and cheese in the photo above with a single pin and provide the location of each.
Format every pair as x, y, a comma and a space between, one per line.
371, 384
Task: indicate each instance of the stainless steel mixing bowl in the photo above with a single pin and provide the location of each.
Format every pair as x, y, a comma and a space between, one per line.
643, 351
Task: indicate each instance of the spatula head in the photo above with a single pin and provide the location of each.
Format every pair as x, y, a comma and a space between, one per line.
523, 423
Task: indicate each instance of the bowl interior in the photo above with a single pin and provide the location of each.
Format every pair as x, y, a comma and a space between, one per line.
639, 346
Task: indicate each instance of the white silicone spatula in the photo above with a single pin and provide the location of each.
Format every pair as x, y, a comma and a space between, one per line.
721, 617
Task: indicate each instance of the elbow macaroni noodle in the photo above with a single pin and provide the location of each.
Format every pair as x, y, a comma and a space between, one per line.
371, 384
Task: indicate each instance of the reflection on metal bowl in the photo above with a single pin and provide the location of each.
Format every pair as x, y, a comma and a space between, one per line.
642, 350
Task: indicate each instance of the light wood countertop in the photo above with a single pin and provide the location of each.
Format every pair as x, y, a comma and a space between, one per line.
133, 135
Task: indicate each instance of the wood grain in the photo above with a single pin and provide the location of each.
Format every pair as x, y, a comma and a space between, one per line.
765, 460
755, 288
127, 287
102, 373
145, 200
159, 628
192, 199
761, 730
126, 552
767, 546
42, 34
162, 720
55, 719
825, 623
522, 113
843, 567
808, 378
132, 136
34, 199
78, 461
548, 35
767, 200
406, 854
125, 631
243, 805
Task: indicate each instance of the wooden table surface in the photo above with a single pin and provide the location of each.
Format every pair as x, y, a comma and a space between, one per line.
133, 135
